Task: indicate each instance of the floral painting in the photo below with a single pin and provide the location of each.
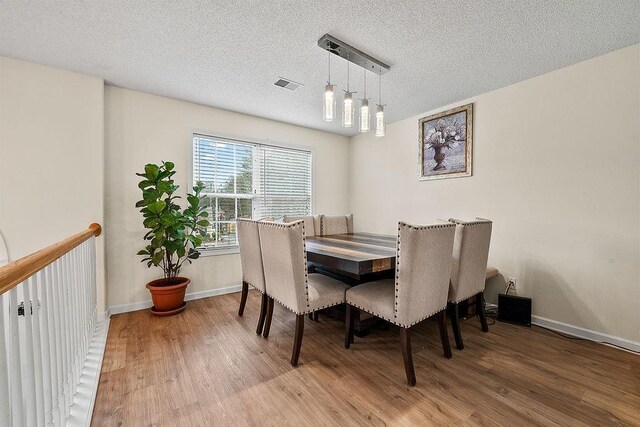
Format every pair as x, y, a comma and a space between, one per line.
446, 144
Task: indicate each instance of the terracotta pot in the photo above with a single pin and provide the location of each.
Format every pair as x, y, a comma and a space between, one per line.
168, 295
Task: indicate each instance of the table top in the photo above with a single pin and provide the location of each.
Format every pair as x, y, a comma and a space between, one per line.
354, 254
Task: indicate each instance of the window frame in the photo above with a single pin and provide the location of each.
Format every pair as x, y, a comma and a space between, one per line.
234, 249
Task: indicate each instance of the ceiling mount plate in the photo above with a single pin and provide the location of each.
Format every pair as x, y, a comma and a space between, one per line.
351, 54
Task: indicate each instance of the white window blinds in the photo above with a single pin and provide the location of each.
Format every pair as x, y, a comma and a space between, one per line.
248, 180
284, 182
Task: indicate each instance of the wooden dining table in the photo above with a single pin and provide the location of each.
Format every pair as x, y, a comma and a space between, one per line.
356, 256
354, 259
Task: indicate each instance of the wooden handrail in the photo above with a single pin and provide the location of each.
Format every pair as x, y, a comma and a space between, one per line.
17, 271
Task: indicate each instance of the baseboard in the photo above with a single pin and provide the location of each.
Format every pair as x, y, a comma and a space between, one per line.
584, 333
125, 308
83, 401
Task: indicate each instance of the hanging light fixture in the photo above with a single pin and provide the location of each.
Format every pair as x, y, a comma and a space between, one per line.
329, 101
380, 126
368, 63
348, 111
364, 109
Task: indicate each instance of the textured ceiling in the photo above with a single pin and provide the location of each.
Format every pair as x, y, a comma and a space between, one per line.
228, 54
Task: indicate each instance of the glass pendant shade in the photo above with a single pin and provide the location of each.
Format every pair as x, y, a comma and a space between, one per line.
329, 104
365, 124
348, 113
380, 127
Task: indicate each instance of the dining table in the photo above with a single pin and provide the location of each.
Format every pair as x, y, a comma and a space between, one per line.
356, 256
354, 259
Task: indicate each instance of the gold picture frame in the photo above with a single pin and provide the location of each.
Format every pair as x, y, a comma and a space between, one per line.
447, 133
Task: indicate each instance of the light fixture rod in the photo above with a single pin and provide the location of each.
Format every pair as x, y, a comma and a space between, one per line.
353, 55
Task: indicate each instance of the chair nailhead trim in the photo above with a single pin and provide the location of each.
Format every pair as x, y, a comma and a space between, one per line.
393, 321
254, 287
465, 298
477, 222
306, 311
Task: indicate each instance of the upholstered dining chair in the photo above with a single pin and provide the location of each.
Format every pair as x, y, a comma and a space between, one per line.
312, 227
288, 281
469, 270
252, 271
312, 223
419, 291
337, 224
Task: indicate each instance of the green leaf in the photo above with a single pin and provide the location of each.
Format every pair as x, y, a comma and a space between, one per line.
151, 171
157, 207
168, 165
193, 200
145, 183
157, 257
203, 223
143, 252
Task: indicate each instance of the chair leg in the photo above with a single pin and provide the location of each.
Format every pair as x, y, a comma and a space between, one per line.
455, 325
263, 313
348, 325
315, 315
243, 298
480, 311
297, 339
444, 337
405, 343
267, 320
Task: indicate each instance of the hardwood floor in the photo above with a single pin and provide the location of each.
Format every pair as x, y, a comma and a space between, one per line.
206, 366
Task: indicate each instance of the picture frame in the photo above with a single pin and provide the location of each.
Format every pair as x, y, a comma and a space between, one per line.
445, 144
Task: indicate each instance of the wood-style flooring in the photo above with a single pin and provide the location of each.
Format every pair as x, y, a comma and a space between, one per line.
206, 367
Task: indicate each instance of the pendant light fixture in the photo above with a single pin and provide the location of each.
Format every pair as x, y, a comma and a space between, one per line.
380, 126
329, 100
365, 124
349, 53
348, 111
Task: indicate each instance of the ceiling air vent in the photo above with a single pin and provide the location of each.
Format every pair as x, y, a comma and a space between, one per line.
287, 84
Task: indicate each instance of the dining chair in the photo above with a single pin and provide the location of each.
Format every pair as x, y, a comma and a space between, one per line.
252, 270
312, 223
469, 270
313, 227
419, 290
288, 281
337, 224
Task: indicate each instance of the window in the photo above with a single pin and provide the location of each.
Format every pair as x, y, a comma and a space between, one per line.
248, 180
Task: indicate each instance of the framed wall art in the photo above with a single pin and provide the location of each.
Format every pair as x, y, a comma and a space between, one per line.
446, 143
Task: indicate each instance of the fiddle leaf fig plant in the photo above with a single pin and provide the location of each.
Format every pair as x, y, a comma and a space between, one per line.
174, 234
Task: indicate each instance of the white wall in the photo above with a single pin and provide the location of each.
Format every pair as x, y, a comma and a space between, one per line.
143, 128
556, 166
51, 157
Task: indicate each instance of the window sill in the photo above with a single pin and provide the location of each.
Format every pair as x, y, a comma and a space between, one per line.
219, 251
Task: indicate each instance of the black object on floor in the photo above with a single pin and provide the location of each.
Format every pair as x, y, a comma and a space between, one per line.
514, 309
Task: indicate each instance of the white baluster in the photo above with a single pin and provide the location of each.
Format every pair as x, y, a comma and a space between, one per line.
56, 305
5, 397
27, 361
48, 364
86, 327
17, 413
73, 276
36, 345
66, 276
63, 339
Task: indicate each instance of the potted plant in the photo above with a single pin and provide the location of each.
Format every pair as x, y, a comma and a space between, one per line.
173, 235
